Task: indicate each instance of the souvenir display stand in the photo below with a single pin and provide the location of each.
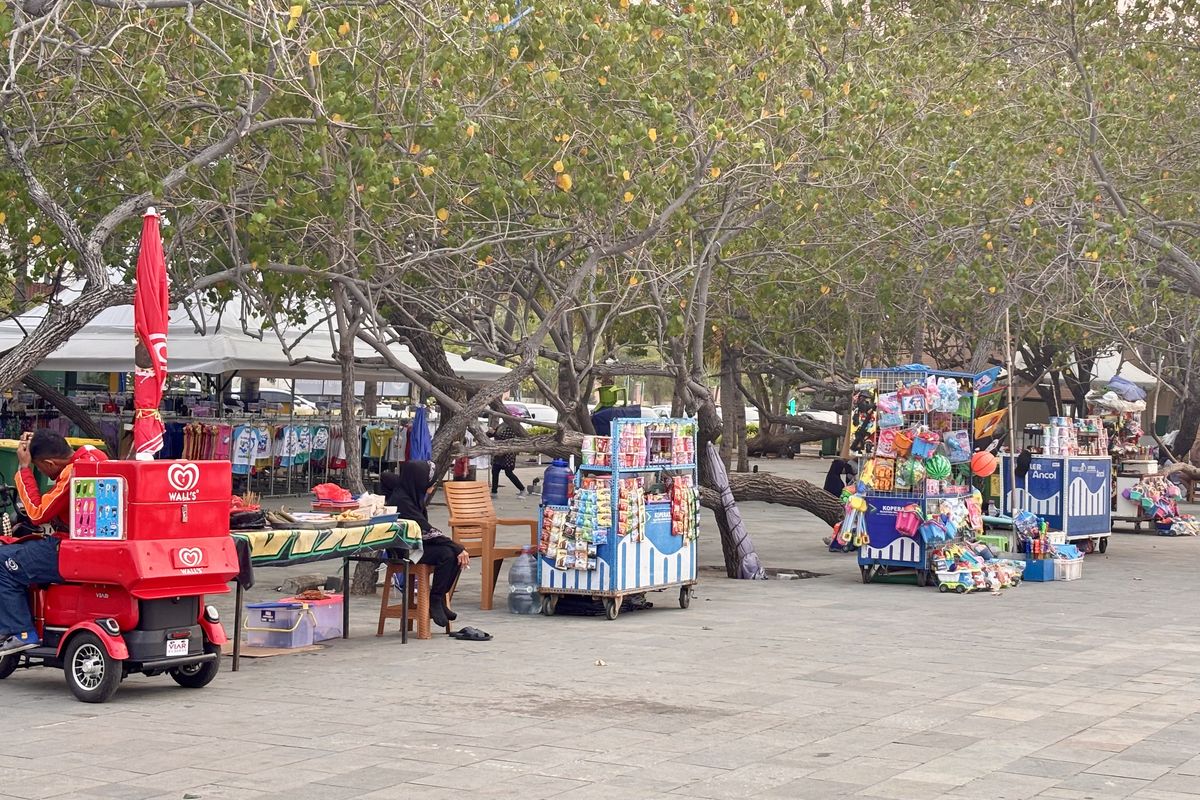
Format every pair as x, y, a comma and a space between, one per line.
913, 432
631, 525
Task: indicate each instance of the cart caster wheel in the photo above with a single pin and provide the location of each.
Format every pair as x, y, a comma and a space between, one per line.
922, 578
867, 573
685, 596
92, 674
8, 664
549, 604
612, 607
197, 676
943, 588
1104, 545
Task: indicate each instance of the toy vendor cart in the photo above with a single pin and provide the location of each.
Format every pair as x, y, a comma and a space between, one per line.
147, 541
632, 524
913, 431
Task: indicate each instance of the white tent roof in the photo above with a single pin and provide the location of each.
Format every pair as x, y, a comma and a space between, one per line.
1109, 366
210, 342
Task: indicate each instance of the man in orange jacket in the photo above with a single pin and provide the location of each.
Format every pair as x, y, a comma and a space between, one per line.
35, 560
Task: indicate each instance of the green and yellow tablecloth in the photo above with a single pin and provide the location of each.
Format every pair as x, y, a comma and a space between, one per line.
281, 548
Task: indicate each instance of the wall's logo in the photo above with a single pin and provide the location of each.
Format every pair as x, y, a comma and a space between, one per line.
183, 477
189, 558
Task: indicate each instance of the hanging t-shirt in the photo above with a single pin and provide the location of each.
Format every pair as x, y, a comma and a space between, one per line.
378, 440
337, 449
398, 450
245, 445
223, 443
262, 447
320, 443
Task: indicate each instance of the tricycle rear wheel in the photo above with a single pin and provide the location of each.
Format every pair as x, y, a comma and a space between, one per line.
92, 674
197, 676
8, 664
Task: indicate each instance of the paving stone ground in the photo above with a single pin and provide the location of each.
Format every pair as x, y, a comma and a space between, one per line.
804, 689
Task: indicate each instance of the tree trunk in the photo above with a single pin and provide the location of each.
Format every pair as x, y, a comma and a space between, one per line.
370, 399
729, 398
1189, 425
793, 492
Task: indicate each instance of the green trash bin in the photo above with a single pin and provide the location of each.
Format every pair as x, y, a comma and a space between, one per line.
829, 447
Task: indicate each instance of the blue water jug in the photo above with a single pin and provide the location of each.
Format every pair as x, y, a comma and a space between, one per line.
556, 483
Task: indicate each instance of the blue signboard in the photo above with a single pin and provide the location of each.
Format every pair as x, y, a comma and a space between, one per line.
1043, 490
1088, 496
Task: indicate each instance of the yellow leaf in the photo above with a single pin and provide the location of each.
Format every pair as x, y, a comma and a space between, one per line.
1028, 201
336, 118
414, 148
714, 173
652, 134
313, 58
294, 14
656, 34
443, 214
824, 290
395, 180
823, 49
625, 174
806, 93
470, 131
1058, 151
734, 19
968, 112
603, 81
187, 140
426, 171
563, 181
846, 88
1171, 97
633, 280
988, 245
628, 198
991, 290
513, 52
762, 75
624, 3
3, 217
36, 239
344, 28
559, 166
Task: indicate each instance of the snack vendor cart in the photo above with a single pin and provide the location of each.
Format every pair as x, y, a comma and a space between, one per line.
633, 522
1073, 494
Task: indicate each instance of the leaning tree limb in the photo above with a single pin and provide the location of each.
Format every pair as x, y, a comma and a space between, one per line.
768, 488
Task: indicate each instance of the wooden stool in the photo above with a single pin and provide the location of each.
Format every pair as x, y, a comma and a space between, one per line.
418, 601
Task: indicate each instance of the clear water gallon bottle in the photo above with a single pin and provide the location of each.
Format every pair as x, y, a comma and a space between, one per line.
522, 584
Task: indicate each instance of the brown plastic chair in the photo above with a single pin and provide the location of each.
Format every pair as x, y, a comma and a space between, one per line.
473, 524
418, 601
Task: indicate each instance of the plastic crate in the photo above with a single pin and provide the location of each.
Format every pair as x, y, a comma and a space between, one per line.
327, 616
1057, 537
998, 542
1041, 569
279, 625
1068, 569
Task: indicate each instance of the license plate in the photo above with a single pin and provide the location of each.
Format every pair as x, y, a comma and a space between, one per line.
177, 647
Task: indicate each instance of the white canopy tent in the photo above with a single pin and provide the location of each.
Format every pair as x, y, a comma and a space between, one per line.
203, 340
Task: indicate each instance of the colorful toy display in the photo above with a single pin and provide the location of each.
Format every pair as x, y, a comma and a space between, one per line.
1158, 499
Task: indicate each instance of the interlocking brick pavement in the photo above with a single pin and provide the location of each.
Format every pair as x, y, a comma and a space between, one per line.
807, 689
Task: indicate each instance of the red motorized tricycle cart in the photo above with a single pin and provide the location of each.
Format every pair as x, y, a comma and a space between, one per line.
148, 539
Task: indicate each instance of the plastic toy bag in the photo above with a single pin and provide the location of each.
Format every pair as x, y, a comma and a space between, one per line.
925, 444
1026, 523
889, 413
958, 444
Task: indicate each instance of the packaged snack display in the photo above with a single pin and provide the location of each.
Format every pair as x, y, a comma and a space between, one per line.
633, 519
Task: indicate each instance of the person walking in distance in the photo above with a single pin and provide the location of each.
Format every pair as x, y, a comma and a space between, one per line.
505, 462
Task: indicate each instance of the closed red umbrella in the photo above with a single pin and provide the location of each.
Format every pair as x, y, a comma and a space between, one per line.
151, 310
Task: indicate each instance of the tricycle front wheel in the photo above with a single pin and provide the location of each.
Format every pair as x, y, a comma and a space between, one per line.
197, 676
92, 674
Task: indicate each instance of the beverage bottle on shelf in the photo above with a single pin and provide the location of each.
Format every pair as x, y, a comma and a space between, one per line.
522, 584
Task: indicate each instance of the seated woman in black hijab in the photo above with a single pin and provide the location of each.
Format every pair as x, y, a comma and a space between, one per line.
409, 491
